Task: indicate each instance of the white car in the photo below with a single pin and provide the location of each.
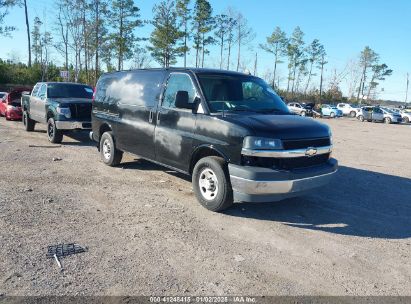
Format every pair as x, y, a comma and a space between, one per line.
390, 116
297, 108
348, 109
406, 116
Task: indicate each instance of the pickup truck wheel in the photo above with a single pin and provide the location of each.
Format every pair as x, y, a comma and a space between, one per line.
387, 120
28, 122
55, 135
361, 118
211, 184
110, 155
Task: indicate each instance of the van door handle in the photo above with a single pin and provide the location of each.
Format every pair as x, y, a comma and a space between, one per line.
158, 117
151, 116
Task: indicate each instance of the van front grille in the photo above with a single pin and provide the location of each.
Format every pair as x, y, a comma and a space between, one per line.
286, 163
291, 144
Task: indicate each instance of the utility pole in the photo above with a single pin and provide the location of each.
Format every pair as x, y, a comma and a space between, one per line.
28, 31
406, 91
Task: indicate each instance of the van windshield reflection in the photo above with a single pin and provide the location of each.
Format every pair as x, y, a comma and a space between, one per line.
240, 94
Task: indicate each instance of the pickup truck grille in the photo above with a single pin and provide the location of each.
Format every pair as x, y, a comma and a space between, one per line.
81, 111
305, 143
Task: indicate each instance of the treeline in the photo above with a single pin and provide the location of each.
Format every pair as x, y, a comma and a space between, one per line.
94, 36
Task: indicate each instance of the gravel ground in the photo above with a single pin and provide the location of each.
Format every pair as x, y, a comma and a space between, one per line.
147, 235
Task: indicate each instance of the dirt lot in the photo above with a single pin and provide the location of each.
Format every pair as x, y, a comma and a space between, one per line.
147, 235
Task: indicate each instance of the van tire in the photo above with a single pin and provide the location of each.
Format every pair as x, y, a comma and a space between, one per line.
216, 168
28, 122
55, 135
110, 155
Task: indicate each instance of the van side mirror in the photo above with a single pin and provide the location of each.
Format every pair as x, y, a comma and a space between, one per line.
182, 100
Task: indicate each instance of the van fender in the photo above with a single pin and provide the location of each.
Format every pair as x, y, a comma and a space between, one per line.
205, 151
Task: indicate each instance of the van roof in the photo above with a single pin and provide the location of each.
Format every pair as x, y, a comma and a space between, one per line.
57, 82
180, 69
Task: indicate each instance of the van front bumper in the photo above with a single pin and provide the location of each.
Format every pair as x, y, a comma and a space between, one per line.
73, 125
256, 184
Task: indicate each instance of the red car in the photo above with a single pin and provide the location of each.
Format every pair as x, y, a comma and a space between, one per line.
10, 103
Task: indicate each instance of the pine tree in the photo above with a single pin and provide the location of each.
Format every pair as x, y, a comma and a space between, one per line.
124, 18
164, 48
36, 38
202, 25
276, 44
184, 15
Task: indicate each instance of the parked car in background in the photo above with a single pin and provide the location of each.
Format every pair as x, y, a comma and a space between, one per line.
229, 131
62, 106
406, 116
330, 111
390, 116
300, 109
371, 114
348, 110
3, 95
10, 104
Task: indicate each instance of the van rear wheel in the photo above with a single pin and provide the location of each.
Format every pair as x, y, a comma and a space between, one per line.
110, 155
211, 184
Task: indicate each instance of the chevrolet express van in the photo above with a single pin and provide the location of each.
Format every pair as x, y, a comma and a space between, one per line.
230, 131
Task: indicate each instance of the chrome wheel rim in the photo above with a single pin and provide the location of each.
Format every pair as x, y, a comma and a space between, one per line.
106, 149
208, 184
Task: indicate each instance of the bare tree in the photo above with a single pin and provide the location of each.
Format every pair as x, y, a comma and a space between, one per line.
243, 35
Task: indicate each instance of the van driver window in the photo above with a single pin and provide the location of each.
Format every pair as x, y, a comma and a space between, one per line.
178, 82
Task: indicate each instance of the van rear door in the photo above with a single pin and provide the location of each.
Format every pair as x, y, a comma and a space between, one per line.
175, 127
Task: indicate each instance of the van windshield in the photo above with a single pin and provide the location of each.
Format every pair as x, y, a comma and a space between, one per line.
240, 93
64, 90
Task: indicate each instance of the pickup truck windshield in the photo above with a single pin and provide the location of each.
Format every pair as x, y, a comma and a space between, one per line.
64, 90
240, 93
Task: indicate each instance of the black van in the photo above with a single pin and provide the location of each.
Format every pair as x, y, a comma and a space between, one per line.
229, 131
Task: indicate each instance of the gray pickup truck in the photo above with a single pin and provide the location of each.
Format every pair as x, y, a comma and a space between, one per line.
62, 106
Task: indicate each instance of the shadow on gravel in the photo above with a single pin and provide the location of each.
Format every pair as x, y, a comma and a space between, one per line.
82, 139
356, 203
145, 165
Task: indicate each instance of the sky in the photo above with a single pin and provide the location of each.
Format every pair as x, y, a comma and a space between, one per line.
344, 27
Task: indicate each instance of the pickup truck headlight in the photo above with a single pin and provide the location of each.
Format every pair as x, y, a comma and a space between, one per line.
64, 111
261, 143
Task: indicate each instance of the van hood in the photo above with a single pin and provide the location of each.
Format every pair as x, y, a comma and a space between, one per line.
280, 126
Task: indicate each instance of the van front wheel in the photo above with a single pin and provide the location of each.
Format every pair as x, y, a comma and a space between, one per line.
211, 184
110, 155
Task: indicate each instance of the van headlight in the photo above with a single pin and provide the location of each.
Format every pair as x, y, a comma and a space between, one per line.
64, 111
261, 143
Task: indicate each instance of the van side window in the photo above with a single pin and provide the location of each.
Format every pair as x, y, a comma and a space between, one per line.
178, 82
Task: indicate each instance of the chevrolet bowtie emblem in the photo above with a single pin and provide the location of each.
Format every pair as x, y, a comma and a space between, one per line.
311, 151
